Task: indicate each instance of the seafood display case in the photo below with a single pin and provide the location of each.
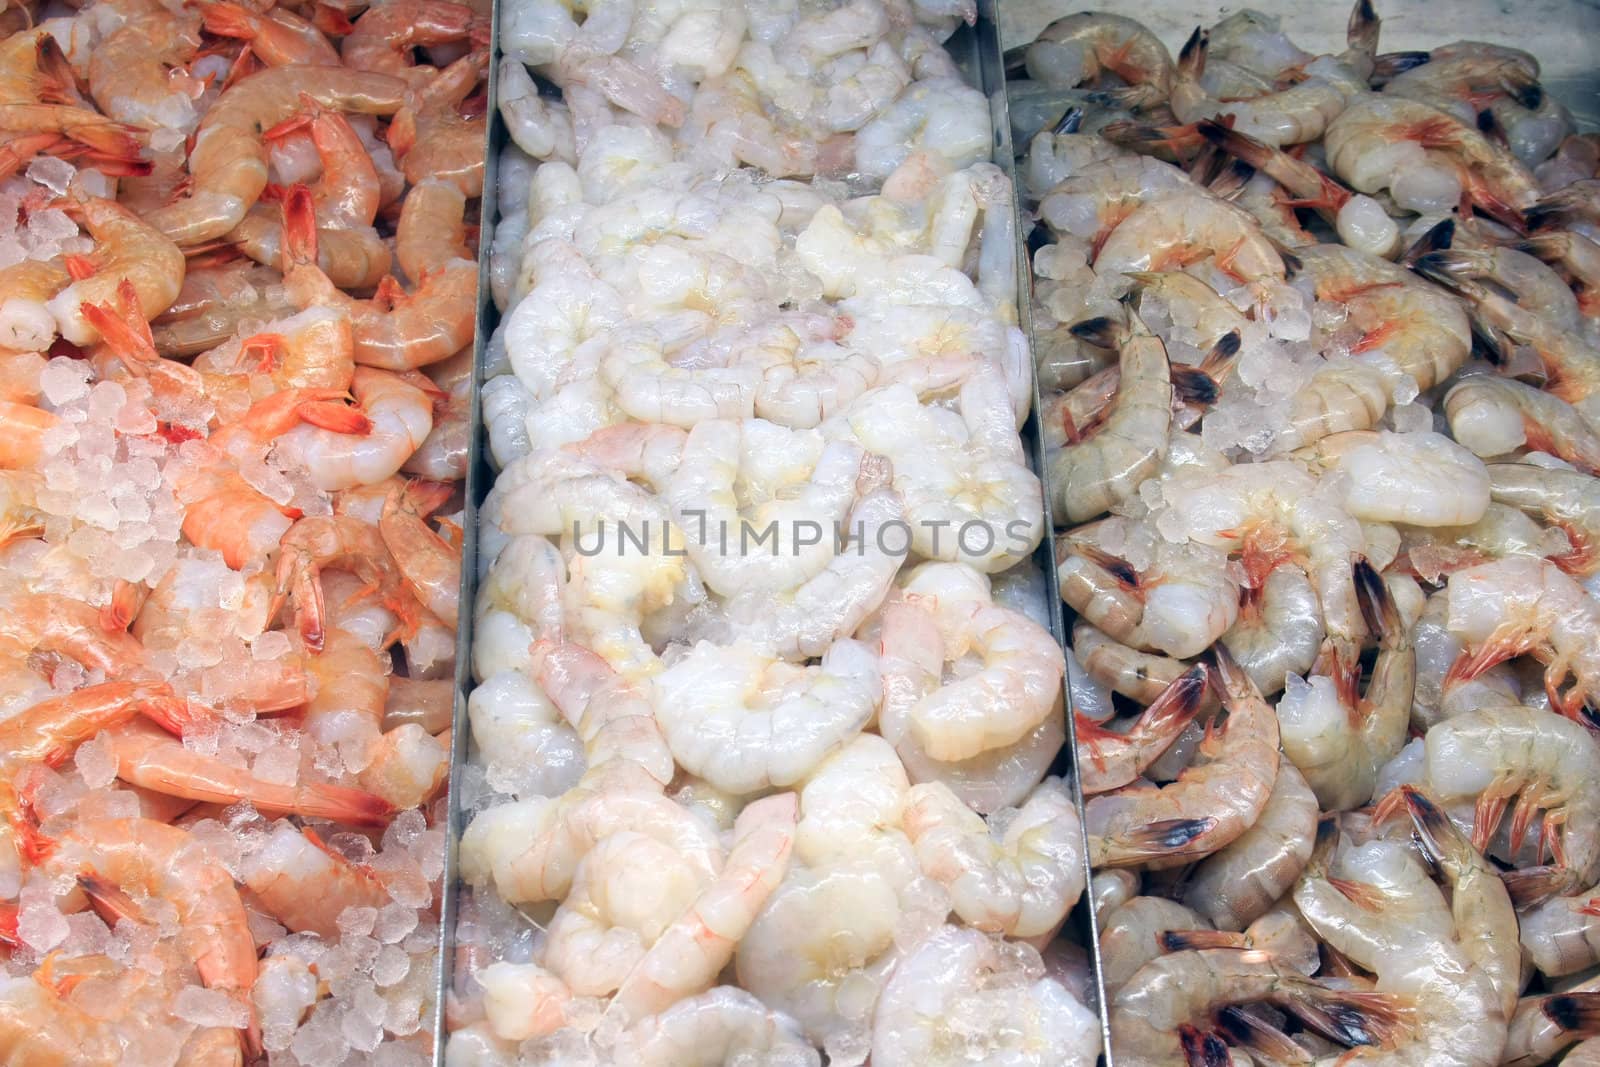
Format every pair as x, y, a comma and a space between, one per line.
1560, 33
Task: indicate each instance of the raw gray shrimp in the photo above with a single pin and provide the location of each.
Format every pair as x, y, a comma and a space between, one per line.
1161, 1015
1230, 782
1130, 932
1109, 760
1179, 602
1090, 476
1279, 629
1562, 935
1495, 416
1337, 739
1234, 887
1385, 913
1178, 231
1078, 49
1568, 500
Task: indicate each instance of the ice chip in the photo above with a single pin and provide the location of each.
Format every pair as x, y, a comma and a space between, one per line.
357, 921
64, 380
52, 173
96, 762
394, 922
210, 1007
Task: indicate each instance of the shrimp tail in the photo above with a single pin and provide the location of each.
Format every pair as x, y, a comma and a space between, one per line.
226, 19
1200, 384
335, 416
299, 227
1529, 887
1071, 121
1192, 56
1575, 1013
1202, 1049
1443, 844
1361, 32
1440, 235
126, 599
1187, 940
1175, 142
1349, 1017
9, 914
1310, 187
1389, 64
1249, 1031
108, 899
357, 807
1163, 837
125, 329
1378, 609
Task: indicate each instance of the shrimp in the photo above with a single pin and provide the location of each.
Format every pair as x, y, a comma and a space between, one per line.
138, 74
1231, 780
967, 476
429, 135
228, 165
334, 541
386, 36
1426, 159
1179, 602
1293, 115
1162, 1014
1525, 605
1485, 924
1337, 740
1560, 934
1131, 930
521, 1001
304, 884
400, 417
128, 249
1092, 202
1110, 453
1418, 479
721, 468
430, 565
1110, 760
1279, 630
1543, 1026
691, 952
312, 349
1021, 883
1567, 500
58, 625
1493, 754
1236, 886
347, 195
277, 37
213, 303
1081, 48
722, 1025
625, 893
170, 865
431, 232
941, 115
25, 427
957, 993
1495, 416
395, 330
150, 760
1385, 913
50, 730
1175, 232
746, 722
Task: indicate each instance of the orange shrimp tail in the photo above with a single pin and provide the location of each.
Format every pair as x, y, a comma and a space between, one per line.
1201, 1048
264, 348
1529, 887
126, 600
335, 416
80, 267
20, 150
108, 899
1360, 894
354, 807
332, 21
9, 914
425, 497
178, 716
55, 84
403, 132
112, 140
299, 226
228, 19
124, 329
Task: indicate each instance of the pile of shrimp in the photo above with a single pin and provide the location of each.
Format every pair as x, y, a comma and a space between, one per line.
238, 306
765, 714
1320, 352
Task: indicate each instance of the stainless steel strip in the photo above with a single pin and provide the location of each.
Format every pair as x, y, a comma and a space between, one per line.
992, 80
479, 478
